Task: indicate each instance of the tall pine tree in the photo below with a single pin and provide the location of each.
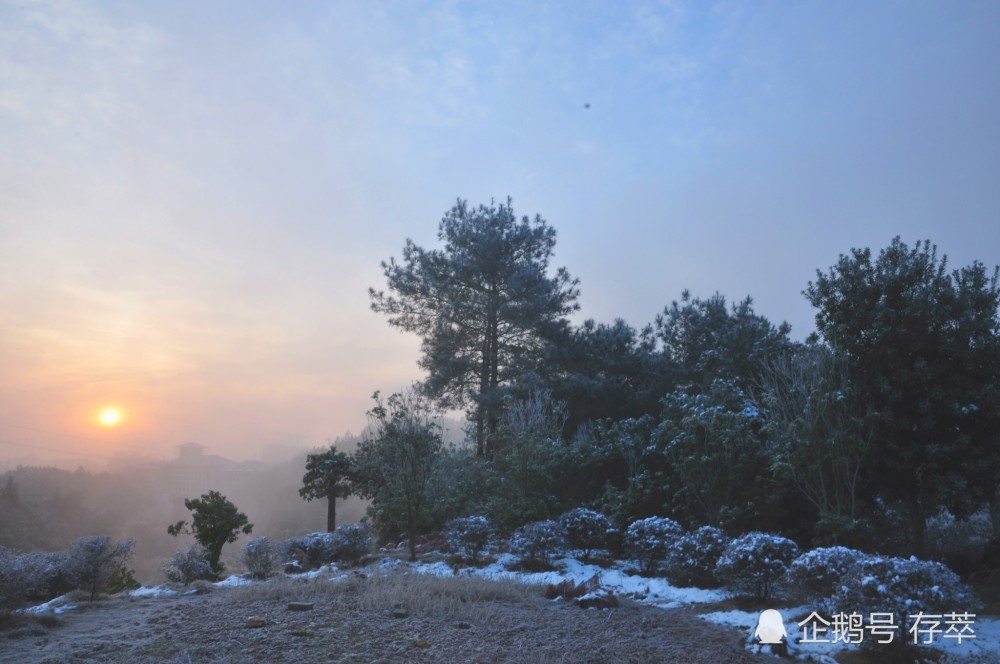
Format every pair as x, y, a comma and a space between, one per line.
484, 305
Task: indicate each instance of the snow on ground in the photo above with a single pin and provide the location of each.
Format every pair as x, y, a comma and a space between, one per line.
57, 605
155, 591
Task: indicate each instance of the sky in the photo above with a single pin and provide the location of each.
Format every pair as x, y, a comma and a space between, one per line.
195, 197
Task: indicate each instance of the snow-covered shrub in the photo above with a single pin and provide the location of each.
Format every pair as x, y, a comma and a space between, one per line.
902, 587
310, 551
260, 557
188, 566
469, 535
648, 540
692, 559
586, 530
351, 543
538, 540
952, 539
816, 574
755, 562
30, 576
92, 560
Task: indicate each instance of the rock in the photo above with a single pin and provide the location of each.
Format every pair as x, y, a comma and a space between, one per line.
421, 643
301, 606
597, 601
400, 612
461, 624
256, 621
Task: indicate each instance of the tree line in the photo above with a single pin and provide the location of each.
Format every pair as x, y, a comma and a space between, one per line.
710, 415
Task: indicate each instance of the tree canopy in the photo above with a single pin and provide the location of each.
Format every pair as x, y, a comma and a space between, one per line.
484, 305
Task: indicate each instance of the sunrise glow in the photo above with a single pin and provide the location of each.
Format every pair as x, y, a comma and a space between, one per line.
110, 417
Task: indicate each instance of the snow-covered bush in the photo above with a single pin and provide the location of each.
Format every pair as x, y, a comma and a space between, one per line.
351, 543
538, 540
586, 530
30, 576
903, 588
469, 535
260, 557
755, 562
309, 551
692, 559
188, 566
92, 561
816, 574
648, 540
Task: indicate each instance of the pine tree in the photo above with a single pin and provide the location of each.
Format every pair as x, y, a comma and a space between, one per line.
328, 475
483, 304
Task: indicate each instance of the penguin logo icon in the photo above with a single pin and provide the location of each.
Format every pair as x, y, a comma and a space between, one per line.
770, 628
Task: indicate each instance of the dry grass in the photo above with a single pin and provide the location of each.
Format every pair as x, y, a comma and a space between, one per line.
458, 597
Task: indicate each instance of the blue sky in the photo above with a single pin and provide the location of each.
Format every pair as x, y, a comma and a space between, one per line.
195, 197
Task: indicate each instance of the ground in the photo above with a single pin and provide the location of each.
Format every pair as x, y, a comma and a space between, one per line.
356, 624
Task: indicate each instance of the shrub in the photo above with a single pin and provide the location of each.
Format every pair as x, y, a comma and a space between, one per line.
903, 588
215, 521
188, 566
260, 557
586, 530
538, 540
755, 562
469, 535
122, 580
816, 574
692, 559
649, 540
350, 543
92, 561
311, 551
30, 576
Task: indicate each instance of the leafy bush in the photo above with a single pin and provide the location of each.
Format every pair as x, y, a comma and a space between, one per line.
122, 580
92, 561
755, 562
538, 540
311, 551
586, 530
260, 557
816, 574
469, 535
188, 566
351, 543
903, 588
649, 540
692, 559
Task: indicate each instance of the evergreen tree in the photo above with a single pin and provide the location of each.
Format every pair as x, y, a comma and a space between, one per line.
395, 463
328, 475
484, 305
923, 354
214, 522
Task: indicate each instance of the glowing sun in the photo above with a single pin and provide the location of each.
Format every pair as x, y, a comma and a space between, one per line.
110, 417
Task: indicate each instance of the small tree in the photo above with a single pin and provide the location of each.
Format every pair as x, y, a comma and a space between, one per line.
756, 562
188, 566
650, 539
214, 522
470, 534
585, 529
260, 557
93, 560
328, 475
395, 462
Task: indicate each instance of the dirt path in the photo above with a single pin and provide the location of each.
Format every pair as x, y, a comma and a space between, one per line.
214, 628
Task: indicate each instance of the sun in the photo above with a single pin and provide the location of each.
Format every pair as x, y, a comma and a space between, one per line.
110, 417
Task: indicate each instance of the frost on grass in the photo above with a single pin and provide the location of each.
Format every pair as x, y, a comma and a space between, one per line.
649, 540
469, 536
692, 559
754, 563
